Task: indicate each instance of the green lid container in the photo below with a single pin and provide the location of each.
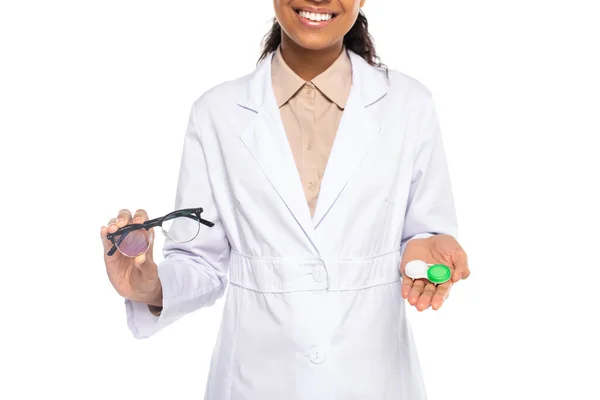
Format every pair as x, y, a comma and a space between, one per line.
439, 273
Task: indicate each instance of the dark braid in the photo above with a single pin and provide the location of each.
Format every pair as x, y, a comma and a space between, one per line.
357, 39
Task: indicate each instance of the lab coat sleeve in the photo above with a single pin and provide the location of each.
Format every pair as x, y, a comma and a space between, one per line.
430, 208
194, 274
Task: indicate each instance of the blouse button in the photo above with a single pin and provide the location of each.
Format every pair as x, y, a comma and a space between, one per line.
317, 355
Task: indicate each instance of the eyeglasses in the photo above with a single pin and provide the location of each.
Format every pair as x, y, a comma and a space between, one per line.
180, 226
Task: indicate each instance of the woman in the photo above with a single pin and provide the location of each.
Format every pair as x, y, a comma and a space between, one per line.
324, 173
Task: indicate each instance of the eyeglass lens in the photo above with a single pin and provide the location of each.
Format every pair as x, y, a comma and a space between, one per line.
134, 243
181, 229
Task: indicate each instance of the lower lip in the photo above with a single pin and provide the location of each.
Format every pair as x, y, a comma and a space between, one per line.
313, 24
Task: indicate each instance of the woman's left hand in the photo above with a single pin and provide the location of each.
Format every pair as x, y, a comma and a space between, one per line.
437, 249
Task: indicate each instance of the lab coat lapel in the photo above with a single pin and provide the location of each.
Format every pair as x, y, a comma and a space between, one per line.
267, 141
357, 131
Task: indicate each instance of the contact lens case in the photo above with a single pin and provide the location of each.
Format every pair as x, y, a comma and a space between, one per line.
435, 273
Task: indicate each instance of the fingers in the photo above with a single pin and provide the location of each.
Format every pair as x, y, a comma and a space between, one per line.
140, 216
422, 294
424, 300
124, 217
416, 291
461, 265
406, 283
103, 232
441, 294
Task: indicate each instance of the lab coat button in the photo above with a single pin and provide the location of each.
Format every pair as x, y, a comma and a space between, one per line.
318, 273
317, 356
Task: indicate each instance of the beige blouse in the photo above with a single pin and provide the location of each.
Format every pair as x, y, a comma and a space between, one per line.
311, 112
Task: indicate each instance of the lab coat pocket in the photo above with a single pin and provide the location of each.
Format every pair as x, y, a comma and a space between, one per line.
265, 361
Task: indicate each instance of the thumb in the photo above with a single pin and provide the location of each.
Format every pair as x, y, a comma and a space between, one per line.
145, 264
139, 261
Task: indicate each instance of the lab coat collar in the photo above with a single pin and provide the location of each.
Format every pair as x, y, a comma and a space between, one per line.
368, 80
268, 143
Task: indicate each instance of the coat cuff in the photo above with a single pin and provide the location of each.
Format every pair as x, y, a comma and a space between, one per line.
140, 320
181, 296
143, 323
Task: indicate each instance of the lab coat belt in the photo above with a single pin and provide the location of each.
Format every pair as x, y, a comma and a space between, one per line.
279, 275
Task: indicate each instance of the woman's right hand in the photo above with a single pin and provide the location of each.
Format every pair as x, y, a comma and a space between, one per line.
133, 278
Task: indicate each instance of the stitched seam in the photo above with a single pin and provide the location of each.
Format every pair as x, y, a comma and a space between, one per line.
296, 260
314, 290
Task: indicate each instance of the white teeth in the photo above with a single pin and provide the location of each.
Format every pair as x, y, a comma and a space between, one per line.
315, 17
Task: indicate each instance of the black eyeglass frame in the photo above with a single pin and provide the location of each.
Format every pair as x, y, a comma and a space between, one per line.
193, 213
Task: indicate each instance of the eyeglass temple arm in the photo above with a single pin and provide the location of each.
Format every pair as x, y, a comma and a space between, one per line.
195, 217
206, 222
151, 223
112, 250
198, 218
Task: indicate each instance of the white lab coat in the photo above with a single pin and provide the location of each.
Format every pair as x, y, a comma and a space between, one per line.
313, 308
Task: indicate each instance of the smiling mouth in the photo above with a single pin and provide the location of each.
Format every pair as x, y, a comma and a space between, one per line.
315, 17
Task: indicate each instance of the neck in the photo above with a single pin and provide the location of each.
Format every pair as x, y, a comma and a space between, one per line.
308, 64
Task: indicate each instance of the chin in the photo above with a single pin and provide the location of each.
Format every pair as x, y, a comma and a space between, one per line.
314, 43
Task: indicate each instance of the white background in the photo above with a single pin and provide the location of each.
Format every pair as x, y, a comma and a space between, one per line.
94, 100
